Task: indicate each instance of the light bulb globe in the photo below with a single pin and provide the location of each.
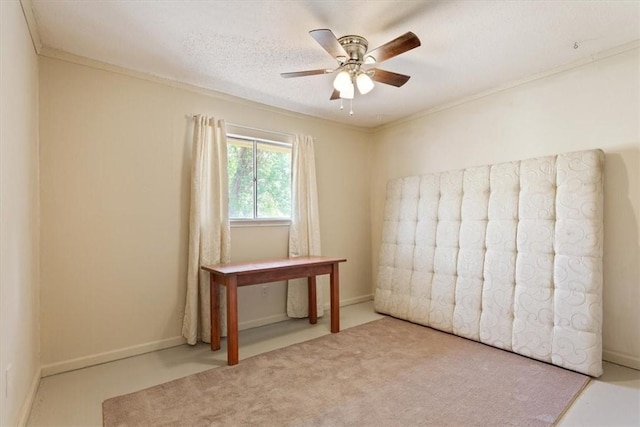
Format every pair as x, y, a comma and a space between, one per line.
365, 84
347, 92
342, 80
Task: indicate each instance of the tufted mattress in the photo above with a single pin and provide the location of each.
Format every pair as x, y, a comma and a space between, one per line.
508, 254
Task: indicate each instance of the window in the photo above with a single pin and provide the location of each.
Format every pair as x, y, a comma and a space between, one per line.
259, 178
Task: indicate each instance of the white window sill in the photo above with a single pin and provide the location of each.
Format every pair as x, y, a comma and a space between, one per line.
260, 223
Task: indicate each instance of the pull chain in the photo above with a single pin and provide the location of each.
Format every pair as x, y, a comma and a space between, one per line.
341, 106
351, 103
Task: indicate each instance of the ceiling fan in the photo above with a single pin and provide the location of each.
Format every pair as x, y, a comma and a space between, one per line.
352, 56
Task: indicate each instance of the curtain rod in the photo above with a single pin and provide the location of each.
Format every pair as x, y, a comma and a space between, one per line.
261, 130
255, 129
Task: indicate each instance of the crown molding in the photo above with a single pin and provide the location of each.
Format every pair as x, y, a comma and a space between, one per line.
48, 52
520, 82
27, 10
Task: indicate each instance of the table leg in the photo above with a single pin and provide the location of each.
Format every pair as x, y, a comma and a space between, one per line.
232, 320
335, 298
313, 305
214, 310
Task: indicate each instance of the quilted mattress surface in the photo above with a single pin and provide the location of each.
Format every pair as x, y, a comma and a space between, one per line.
508, 254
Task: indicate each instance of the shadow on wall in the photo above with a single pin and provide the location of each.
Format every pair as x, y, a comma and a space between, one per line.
185, 204
621, 290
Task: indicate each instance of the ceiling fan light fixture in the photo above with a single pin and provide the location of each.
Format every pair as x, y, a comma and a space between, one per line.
348, 91
365, 83
342, 80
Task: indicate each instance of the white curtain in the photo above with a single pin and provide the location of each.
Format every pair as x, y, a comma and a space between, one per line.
304, 233
209, 232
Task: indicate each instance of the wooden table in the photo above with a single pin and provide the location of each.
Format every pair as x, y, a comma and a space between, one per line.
252, 273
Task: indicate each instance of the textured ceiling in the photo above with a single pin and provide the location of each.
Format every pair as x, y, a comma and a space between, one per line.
241, 47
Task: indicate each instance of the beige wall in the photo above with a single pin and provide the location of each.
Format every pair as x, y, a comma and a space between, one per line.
591, 106
115, 195
19, 339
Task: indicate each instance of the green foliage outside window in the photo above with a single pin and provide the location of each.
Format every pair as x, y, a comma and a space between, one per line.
259, 180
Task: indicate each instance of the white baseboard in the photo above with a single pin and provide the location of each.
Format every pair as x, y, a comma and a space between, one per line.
621, 359
25, 410
351, 301
109, 356
262, 321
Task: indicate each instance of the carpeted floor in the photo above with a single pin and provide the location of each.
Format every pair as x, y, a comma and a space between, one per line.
383, 373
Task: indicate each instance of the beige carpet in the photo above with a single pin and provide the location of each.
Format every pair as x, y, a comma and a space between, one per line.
384, 373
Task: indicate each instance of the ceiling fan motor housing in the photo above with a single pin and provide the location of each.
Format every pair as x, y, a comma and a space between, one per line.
355, 46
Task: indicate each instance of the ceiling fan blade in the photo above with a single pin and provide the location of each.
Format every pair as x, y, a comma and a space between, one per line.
389, 77
329, 42
395, 47
305, 73
335, 95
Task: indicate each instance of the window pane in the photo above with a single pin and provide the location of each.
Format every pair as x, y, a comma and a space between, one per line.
274, 181
240, 164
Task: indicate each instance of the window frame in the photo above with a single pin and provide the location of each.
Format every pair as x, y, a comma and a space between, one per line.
250, 137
